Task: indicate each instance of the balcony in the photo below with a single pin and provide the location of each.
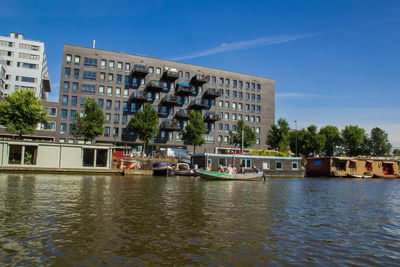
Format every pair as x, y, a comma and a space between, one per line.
138, 96
184, 89
170, 75
211, 116
182, 114
211, 93
140, 70
154, 86
199, 79
169, 125
198, 103
169, 100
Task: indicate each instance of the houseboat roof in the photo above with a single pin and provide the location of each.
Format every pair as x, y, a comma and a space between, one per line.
243, 156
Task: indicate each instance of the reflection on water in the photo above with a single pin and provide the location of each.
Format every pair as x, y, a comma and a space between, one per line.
94, 220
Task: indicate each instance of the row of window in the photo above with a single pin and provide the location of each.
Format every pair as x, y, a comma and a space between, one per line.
248, 163
157, 71
239, 106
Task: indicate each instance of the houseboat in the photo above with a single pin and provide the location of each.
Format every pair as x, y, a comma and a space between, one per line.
353, 167
270, 166
51, 157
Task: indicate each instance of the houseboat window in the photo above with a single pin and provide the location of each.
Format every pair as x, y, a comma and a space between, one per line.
342, 165
209, 162
127, 152
278, 165
101, 159
30, 155
246, 163
222, 161
88, 157
15, 155
295, 165
352, 164
265, 165
368, 166
317, 163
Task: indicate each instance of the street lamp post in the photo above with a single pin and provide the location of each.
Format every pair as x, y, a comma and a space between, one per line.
296, 135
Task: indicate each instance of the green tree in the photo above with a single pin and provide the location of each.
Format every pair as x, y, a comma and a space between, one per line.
332, 139
396, 152
144, 123
309, 141
380, 145
244, 133
353, 140
194, 130
277, 137
21, 112
90, 123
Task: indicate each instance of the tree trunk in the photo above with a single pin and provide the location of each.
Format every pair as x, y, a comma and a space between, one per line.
194, 149
144, 148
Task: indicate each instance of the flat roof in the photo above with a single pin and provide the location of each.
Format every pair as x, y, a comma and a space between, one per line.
243, 156
166, 60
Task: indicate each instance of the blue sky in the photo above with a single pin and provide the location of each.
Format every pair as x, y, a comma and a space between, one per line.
334, 62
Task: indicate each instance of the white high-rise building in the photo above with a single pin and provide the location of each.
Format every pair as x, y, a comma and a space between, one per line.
2, 77
25, 65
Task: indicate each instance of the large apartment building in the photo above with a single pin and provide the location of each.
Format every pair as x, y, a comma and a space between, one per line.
122, 83
25, 65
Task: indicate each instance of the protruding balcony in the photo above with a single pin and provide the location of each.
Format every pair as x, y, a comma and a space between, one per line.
182, 114
199, 79
184, 89
198, 103
169, 100
211, 116
138, 96
169, 125
211, 93
170, 74
154, 86
140, 71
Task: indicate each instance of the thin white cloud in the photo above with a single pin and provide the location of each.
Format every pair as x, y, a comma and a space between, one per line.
298, 95
264, 41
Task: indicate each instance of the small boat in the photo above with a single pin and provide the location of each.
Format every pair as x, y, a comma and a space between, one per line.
162, 168
184, 170
237, 177
386, 176
358, 176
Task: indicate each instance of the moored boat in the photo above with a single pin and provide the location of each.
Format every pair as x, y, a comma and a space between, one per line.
183, 169
162, 168
208, 175
358, 176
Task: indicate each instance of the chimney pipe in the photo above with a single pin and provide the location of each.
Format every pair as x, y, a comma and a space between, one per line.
94, 44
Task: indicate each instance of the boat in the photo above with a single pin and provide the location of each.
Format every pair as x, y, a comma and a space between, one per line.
358, 176
208, 175
183, 169
162, 168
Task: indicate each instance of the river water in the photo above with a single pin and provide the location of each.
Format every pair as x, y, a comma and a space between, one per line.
143, 220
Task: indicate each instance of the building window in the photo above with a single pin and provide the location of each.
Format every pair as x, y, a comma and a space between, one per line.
67, 73
227, 82
108, 117
180, 75
124, 118
158, 72
187, 75
77, 60
118, 92
234, 117
66, 87
226, 93
240, 95
119, 79
74, 101
109, 91
246, 163
295, 165
72, 116
266, 165
253, 86
119, 66
278, 165
108, 104
127, 66
116, 118
226, 128
111, 64
88, 89
258, 119
76, 73
240, 85
90, 62
258, 88
258, 98
226, 116
110, 77
213, 80
126, 93
100, 102
68, 59
221, 81
63, 127
226, 105
234, 95
89, 75
64, 114
226, 140
65, 100
103, 64
151, 71
247, 85
101, 90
